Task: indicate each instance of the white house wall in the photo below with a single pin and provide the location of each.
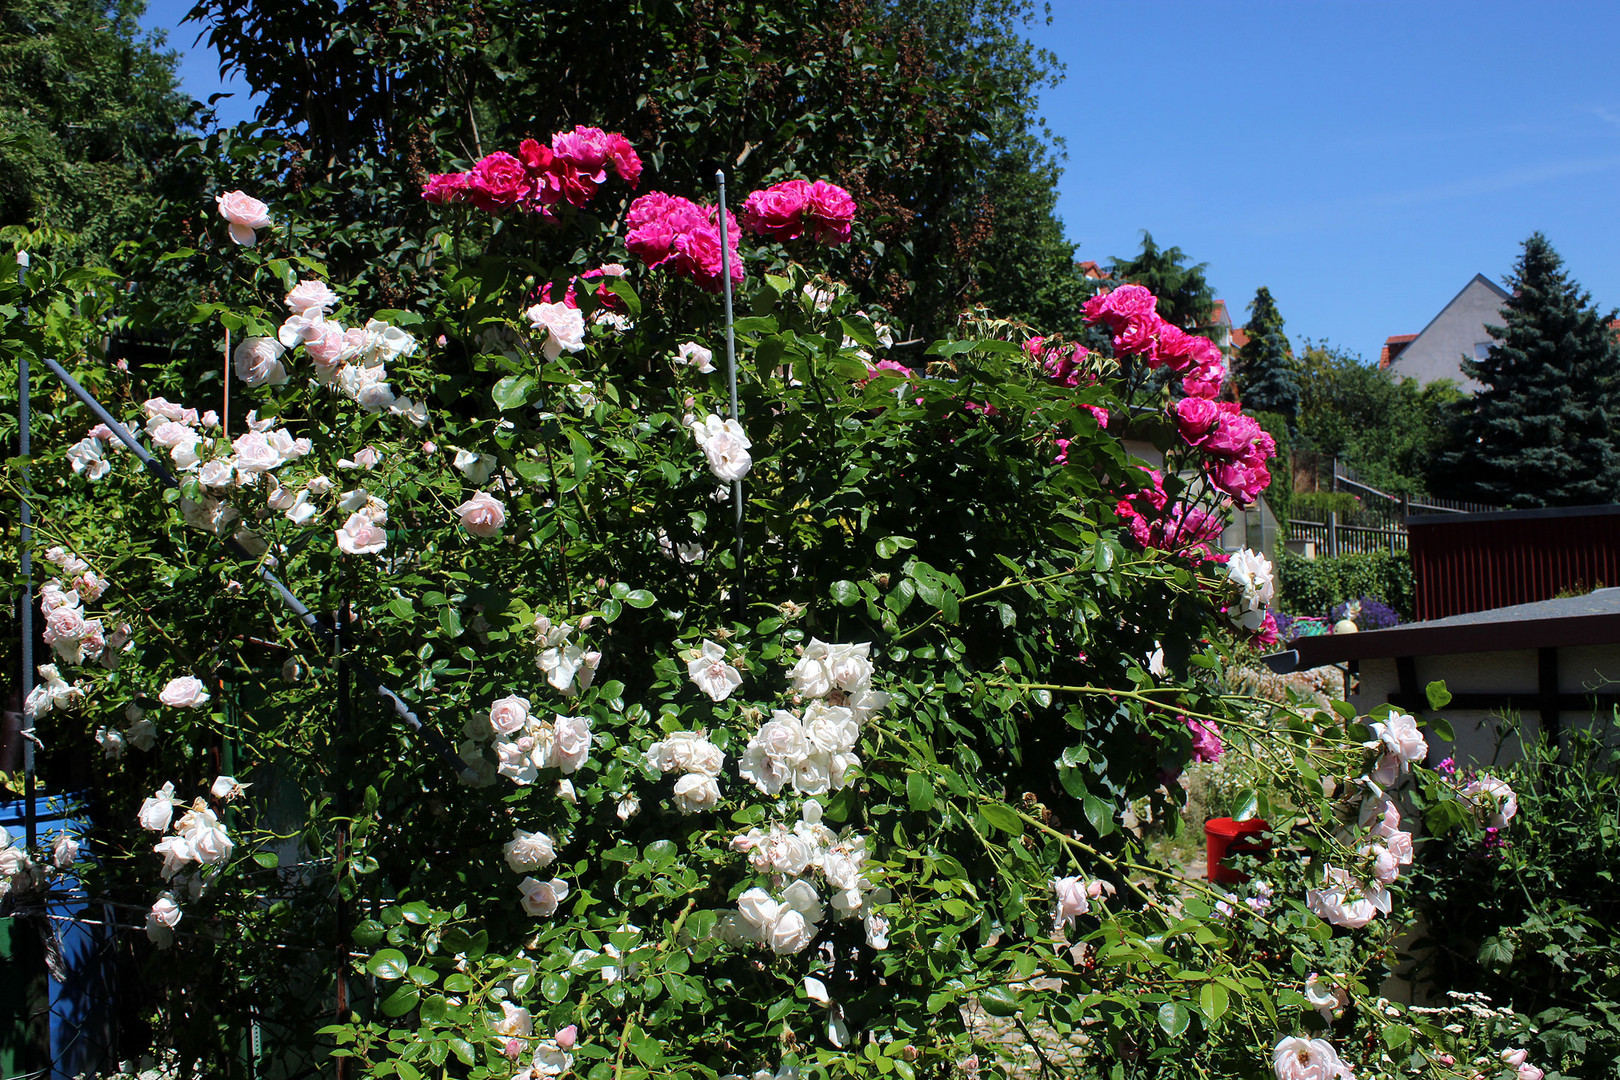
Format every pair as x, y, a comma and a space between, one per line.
1437, 352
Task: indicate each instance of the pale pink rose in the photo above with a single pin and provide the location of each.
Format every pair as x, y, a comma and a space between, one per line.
1308, 1059
1515, 1056
696, 356
1400, 736
509, 714
1528, 1071
542, 897
185, 692
327, 351
1073, 900
258, 361
245, 214
695, 792
564, 327
712, 674
255, 454
567, 1037
529, 851
573, 742
360, 537
482, 515
308, 296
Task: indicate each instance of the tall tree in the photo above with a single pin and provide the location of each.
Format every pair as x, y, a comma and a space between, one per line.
922, 108
1541, 430
89, 111
1185, 297
1391, 432
1267, 381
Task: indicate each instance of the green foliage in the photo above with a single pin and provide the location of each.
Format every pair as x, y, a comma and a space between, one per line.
1312, 586
1185, 296
1316, 505
1540, 432
89, 113
1390, 432
1265, 365
1532, 923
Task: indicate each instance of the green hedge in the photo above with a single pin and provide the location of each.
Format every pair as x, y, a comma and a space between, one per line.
1280, 492
1312, 586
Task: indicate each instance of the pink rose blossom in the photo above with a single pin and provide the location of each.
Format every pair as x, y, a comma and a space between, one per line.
1206, 737
1314, 1059
245, 214
448, 188
482, 515
359, 536
498, 180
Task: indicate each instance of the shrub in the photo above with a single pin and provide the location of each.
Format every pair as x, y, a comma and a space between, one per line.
1531, 916
1314, 586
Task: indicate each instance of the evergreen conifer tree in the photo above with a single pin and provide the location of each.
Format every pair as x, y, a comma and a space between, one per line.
1541, 431
1266, 375
1185, 297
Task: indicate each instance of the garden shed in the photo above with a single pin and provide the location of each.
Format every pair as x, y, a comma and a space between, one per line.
1552, 663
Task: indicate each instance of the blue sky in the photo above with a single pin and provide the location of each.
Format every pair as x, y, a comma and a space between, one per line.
1361, 159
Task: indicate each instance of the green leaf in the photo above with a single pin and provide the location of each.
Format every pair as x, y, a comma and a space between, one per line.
639, 598
267, 859
401, 1001
1396, 1036
1003, 817
890, 546
462, 1049
999, 1001
845, 593
388, 964
1245, 805
512, 392
1099, 813
422, 975
1441, 728
368, 933
1213, 998
1439, 697
920, 792
1173, 1018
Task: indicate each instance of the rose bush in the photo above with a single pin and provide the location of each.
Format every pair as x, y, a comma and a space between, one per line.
651, 792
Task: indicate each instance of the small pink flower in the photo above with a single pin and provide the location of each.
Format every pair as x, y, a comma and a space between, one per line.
482, 515
567, 1037
245, 214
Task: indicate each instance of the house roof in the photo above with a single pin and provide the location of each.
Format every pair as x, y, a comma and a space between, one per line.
1392, 348
1091, 270
1593, 619
1239, 338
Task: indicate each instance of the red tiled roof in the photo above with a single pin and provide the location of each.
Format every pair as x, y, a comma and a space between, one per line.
1094, 272
1393, 347
1239, 338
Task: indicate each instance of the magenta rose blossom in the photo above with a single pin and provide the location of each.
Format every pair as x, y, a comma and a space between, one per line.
828, 213
1206, 739
777, 212
448, 188
245, 214
1196, 418
498, 180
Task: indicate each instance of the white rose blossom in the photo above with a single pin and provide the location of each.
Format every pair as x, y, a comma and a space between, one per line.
184, 692
725, 446
529, 851
359, 536
541, 898
712, 674
564, 327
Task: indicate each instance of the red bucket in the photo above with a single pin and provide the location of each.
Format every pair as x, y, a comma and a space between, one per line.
1226, 838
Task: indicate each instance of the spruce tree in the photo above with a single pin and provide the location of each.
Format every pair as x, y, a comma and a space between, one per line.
1540, 432
1267, 381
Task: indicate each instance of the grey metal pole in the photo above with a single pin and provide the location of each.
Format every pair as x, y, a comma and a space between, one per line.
26, 564
731, 355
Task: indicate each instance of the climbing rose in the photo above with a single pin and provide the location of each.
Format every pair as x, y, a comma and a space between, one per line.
482, 515
564, 327
725, 445
1207, 745
1314, 1059
185, 692
542, 897
712, 674
245, 214
360, 537
529, 851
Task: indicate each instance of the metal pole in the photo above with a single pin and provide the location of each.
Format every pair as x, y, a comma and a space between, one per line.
731, 356
340, 852
26, 563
